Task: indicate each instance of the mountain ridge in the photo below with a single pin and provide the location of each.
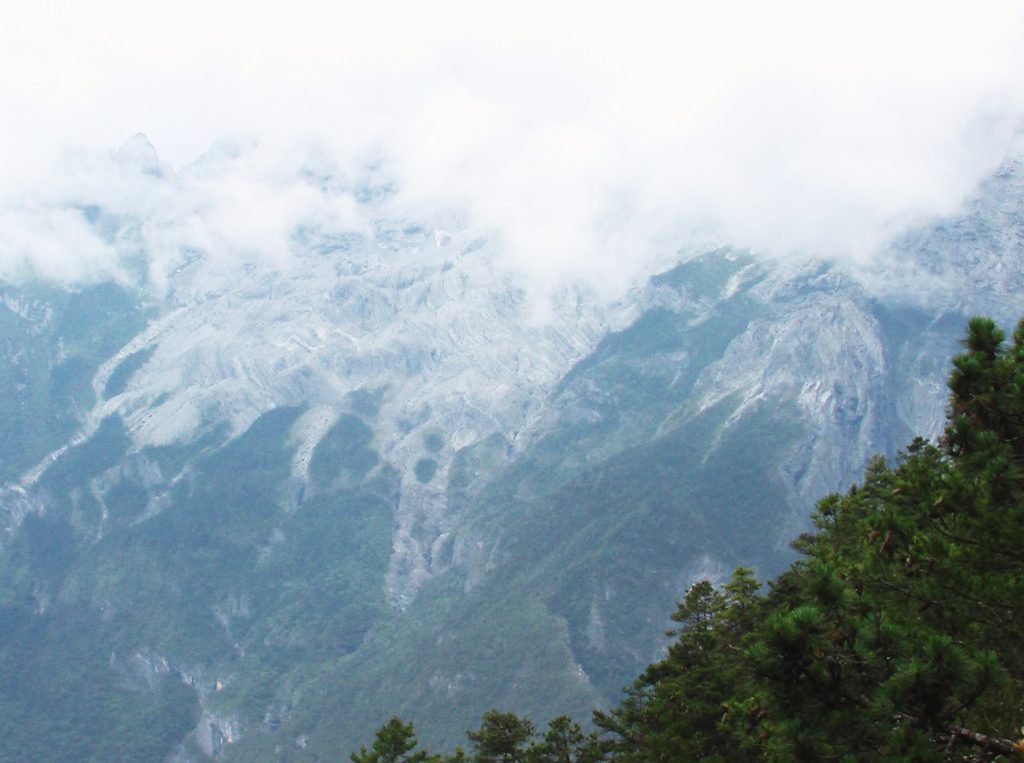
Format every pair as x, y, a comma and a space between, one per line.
302, 491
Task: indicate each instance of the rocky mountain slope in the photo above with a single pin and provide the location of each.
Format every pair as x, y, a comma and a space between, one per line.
272, 504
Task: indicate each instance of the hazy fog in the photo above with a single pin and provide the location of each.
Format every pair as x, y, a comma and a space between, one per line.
587, 142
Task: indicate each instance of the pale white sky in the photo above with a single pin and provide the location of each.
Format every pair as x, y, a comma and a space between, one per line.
583, 132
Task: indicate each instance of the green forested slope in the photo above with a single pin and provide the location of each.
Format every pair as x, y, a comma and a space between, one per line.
898, 636
51, 343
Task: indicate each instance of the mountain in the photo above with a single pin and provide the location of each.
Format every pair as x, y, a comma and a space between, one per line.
252, 508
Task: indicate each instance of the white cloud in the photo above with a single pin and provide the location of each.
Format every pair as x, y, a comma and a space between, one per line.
588, 140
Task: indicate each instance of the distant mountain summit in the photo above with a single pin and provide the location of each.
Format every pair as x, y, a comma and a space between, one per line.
138, 154
254, 506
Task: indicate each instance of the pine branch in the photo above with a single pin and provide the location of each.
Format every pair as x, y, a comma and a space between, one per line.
985, 741
984, 546
995, 744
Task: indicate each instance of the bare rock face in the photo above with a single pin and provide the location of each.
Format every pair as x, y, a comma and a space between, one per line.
838, 402
478, 420
450, 347
446, 348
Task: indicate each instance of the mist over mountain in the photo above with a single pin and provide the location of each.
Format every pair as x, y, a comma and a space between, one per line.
582, 146
416, 358
271, 495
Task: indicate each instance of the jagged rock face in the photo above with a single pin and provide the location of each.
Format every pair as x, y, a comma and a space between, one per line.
408, 317
372, 465
413, 324
969, 262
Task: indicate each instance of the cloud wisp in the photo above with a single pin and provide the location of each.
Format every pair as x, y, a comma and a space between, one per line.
584, 144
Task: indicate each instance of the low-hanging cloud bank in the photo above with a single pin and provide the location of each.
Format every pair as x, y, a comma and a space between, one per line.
586, 144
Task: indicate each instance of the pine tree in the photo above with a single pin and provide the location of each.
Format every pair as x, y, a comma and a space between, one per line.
694, 704
392, 741
899, 636
565, 742
501, 738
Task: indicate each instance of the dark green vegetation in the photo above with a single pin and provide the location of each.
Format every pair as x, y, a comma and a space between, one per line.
210, 581
94, 597
122, 374
51, 343
897, 636
60, 699
501, 738
64, 694
344, 453
425, 469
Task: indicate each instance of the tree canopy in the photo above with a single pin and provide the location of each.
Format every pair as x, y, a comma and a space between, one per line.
898, 635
